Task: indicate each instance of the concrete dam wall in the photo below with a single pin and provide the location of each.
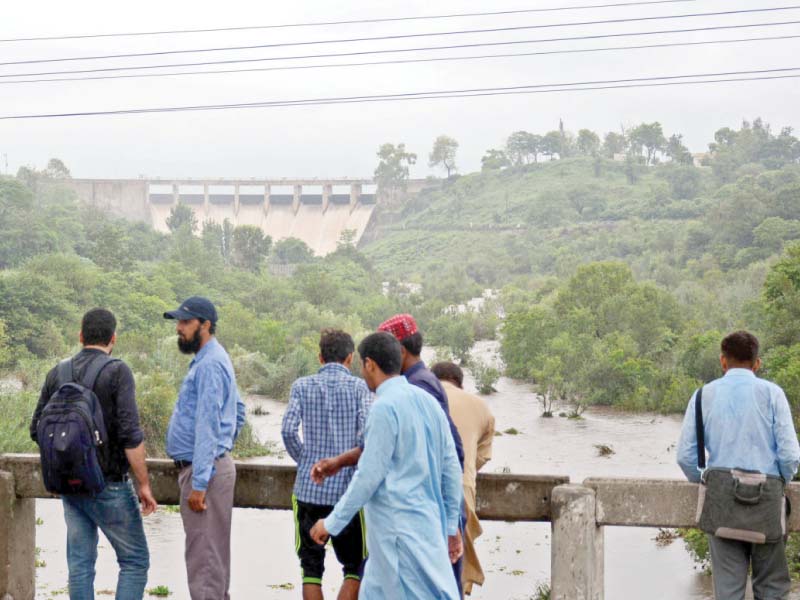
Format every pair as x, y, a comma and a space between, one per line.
317, 212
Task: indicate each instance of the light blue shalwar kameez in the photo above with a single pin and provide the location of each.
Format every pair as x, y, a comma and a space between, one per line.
409, 483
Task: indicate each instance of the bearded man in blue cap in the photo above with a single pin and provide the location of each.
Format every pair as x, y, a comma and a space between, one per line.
205, 423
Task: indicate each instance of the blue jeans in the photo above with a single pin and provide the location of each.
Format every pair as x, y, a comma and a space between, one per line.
115, 511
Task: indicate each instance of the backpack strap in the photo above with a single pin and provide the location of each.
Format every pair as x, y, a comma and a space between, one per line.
93, 370
698, 423
65, 372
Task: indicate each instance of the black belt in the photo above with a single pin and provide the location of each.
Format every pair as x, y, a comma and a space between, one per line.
117, 478
182, 464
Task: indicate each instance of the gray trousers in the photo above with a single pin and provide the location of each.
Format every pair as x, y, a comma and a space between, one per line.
208, 533
729, 562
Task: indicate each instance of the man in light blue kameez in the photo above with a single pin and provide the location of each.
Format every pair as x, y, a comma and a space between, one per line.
409, 483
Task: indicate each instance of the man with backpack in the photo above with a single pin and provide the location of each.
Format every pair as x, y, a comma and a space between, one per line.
87, 426
745, 426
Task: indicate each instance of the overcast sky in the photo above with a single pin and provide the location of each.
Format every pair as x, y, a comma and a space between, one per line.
330, 141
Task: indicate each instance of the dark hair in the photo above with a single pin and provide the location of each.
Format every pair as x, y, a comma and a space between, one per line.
384, 350
449, 371
413, 344
741, 346
98, 327
212, 329
335, 345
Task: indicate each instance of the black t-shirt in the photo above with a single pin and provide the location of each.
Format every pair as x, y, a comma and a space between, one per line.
116, 391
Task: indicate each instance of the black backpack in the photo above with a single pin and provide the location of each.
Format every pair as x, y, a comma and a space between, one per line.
71, 432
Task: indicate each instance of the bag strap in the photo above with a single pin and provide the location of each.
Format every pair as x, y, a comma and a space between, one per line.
93, 370
65, 372
698, 423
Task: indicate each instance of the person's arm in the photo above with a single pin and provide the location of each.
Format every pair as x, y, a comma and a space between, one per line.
129, 430
136, 457
485, 443
452, 483
364, 400
44, 396
291, 424
328, 467
130, 435
210, 389
241, 413
785, 437
687, 446
379, 447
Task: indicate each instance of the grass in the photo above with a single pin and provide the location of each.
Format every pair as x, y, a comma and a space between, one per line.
159, 590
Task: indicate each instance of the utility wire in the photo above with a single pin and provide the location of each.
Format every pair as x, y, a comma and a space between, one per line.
759, 74
407, 61
402, 36
352, 22
401, 50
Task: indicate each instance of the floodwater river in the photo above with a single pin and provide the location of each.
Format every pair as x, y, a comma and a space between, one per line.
515, 556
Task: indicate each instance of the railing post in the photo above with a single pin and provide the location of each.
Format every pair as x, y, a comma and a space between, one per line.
17, 542
576, 552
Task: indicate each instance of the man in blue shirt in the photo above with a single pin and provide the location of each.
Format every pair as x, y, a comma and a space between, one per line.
205, 423
747, 424
409, 483
332, 408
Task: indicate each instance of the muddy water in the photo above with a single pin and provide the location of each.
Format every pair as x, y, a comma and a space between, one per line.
516, 556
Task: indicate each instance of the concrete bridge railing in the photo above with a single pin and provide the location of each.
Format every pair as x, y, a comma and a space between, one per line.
578, 514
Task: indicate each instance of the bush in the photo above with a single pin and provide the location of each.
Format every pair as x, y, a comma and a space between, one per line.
258, 375
486, 376
14, 433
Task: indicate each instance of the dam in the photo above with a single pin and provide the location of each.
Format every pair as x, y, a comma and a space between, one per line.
316, 211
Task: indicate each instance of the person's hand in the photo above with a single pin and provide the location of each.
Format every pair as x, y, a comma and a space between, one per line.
318, 532
327, 467
455, 547
197, 501
147, 500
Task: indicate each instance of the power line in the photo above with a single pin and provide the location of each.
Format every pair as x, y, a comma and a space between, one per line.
401, 50
352, 22
401, 36
408, 61
759, 74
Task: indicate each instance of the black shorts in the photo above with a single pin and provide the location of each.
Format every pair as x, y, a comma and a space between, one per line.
350, 545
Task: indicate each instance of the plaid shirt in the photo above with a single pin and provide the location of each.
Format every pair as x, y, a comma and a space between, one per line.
332, 408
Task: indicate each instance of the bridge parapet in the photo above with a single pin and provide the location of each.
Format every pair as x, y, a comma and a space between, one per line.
578, 514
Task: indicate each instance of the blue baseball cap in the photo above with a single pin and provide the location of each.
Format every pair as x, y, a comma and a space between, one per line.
195, 307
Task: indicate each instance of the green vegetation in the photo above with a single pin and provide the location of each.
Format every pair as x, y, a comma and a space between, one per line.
618, 277
159, 590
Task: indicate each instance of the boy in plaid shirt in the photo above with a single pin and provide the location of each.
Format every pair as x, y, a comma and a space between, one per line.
332, 408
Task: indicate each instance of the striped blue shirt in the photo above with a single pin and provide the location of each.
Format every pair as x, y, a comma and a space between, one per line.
332, 408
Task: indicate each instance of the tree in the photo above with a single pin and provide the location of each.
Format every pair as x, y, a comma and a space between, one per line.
444, 154
250, 247
392, 171
650, 138
494, 160
56, 169
521, 146
677, 151
615, 143
181, 215
552, 144
292, 251
588, 142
